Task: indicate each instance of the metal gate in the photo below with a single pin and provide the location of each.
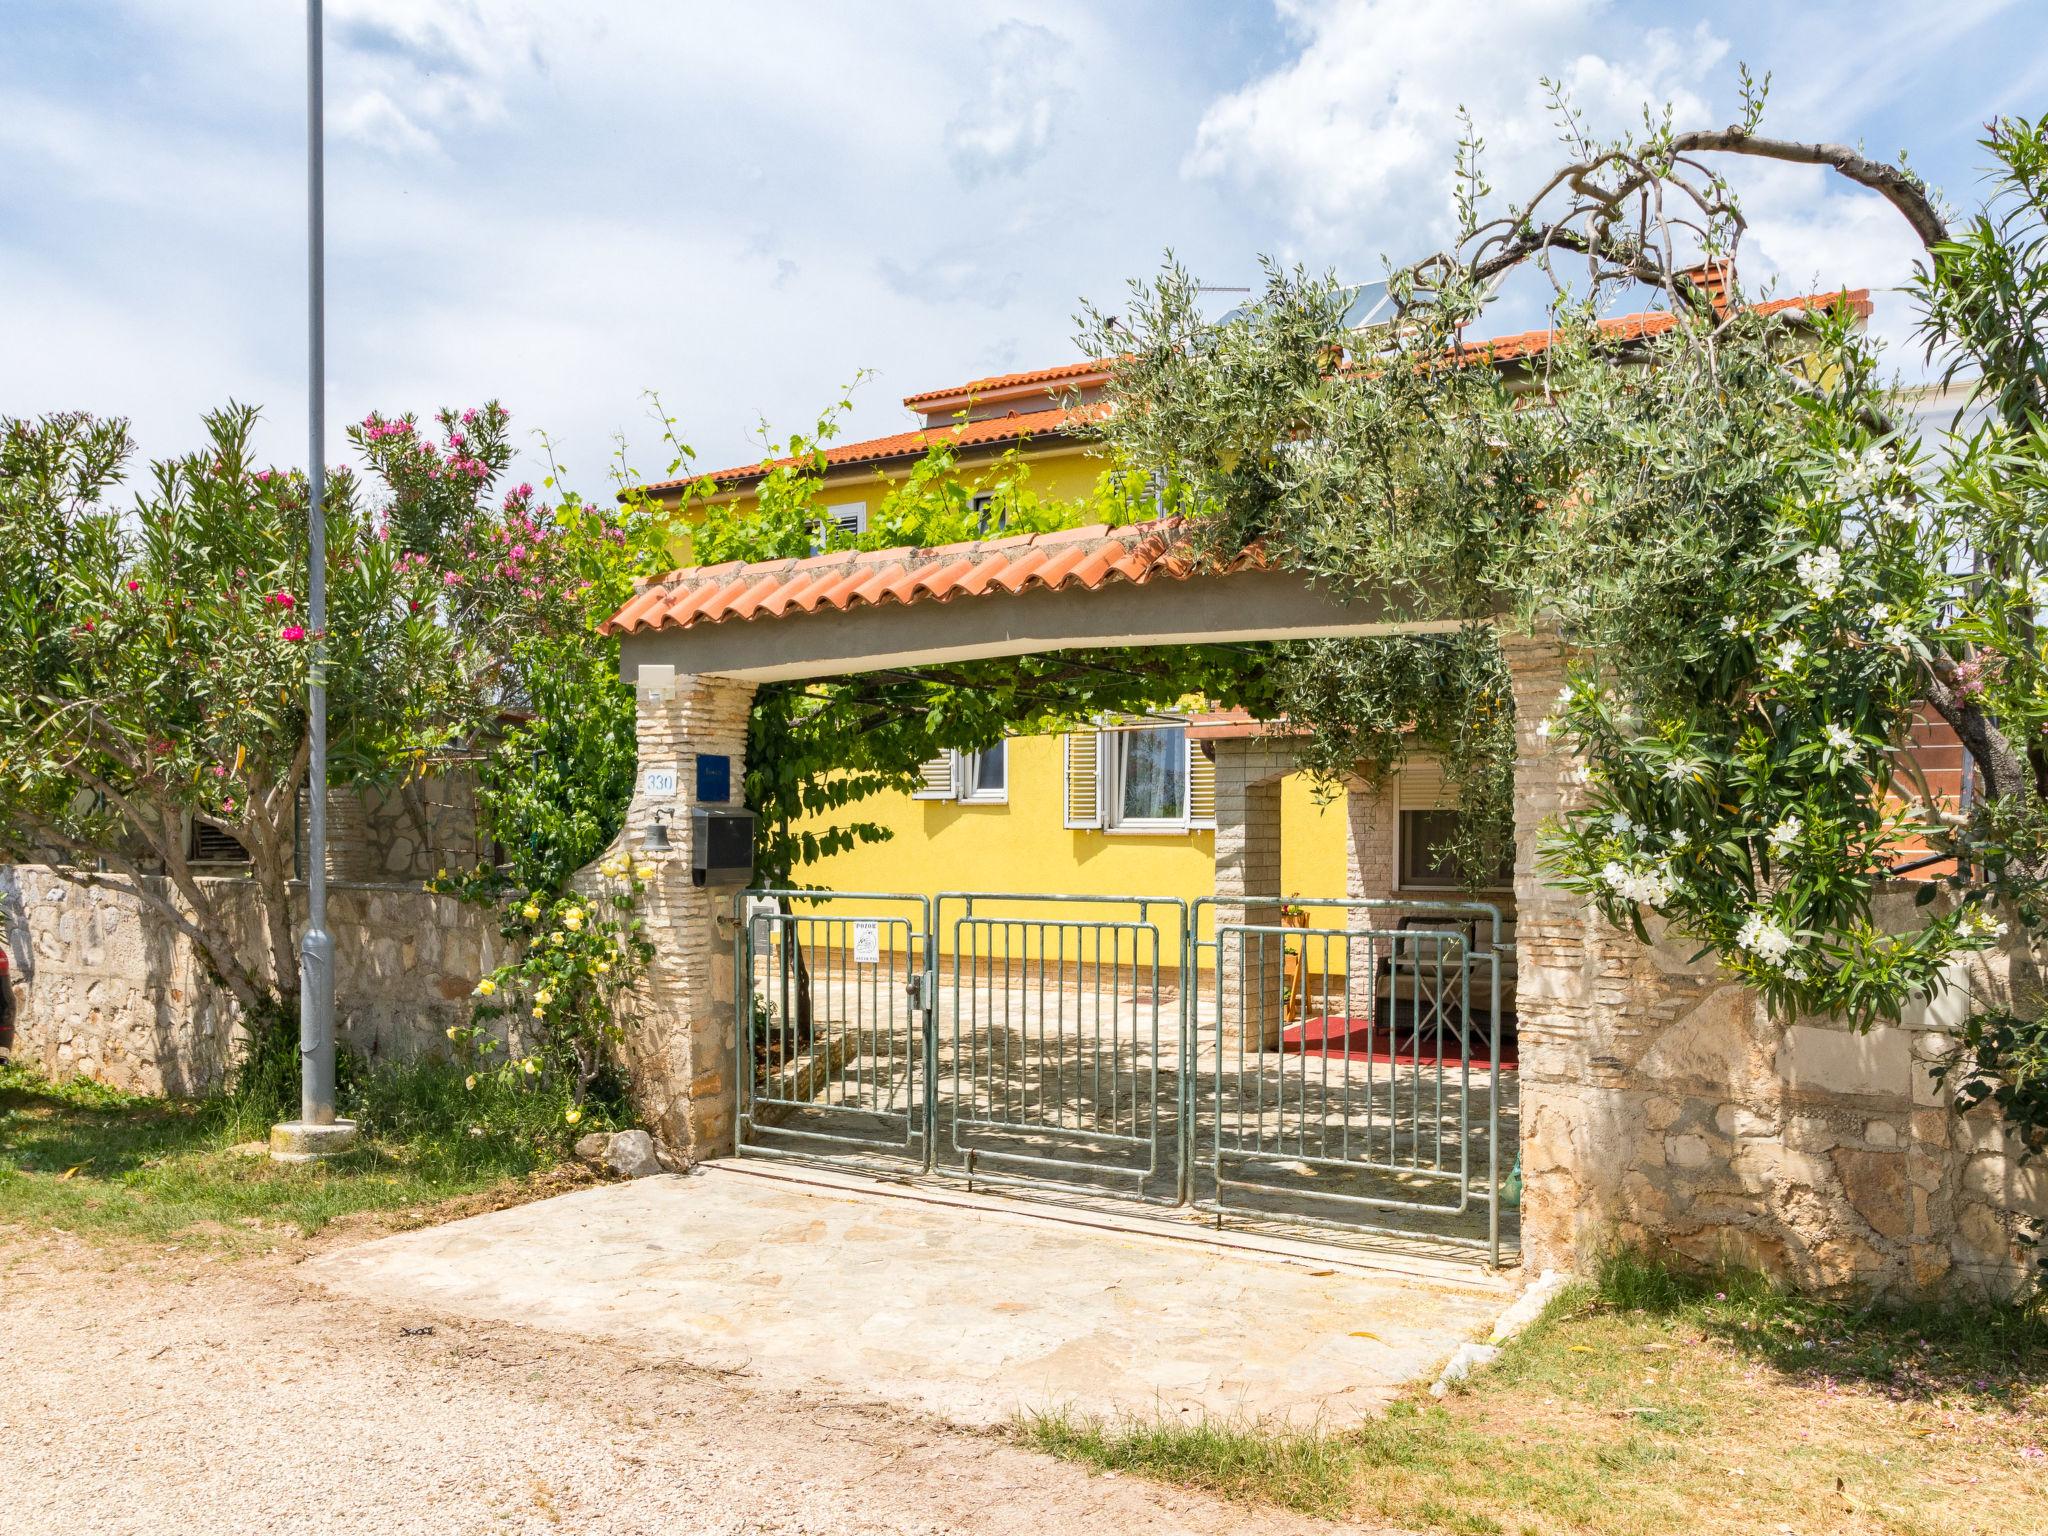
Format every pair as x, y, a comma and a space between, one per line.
1350, 1074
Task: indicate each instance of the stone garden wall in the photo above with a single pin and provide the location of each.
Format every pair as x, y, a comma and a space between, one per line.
110, 991
1662, 1106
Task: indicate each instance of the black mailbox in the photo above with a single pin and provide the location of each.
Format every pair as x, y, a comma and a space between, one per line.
721, 846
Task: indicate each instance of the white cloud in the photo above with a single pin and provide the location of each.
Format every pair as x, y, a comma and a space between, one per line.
409, 70
1007, 121
1352, 139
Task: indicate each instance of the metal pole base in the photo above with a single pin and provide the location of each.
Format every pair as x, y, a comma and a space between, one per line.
297, 1142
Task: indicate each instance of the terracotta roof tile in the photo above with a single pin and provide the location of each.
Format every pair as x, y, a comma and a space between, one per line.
1068, 557
1065, 373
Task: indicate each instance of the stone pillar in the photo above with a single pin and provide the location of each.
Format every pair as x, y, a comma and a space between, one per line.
1559, 947
1248, 868
679, 1043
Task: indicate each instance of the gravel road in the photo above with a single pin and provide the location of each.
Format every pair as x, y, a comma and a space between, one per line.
159, 1392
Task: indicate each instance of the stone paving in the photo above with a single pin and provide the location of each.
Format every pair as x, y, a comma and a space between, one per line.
965, 1307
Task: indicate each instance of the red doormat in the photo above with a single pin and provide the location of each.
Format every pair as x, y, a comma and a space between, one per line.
1336, 1035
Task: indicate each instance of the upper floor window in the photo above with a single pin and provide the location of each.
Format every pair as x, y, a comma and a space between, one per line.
988, 518
842, 519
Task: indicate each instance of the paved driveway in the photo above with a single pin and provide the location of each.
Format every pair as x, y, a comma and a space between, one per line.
969, 1308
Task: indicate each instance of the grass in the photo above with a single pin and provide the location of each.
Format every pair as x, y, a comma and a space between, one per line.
1650, 1404
91, 1160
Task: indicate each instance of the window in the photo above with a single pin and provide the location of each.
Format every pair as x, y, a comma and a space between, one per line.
1138, 778
848, 518
1422, 868
972, 778
1149, 778
985, 776
986, 518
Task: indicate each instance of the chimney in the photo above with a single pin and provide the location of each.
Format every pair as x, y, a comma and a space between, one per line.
1717, 278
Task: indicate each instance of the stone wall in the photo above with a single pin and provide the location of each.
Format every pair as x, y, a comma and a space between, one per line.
1662, 1106
109, 990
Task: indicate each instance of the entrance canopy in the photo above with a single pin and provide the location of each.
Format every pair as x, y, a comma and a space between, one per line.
1143, 584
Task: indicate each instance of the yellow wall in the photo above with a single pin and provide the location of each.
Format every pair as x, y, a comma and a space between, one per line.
942, 845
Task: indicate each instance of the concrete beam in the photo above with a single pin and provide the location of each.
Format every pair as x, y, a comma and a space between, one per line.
1202, 610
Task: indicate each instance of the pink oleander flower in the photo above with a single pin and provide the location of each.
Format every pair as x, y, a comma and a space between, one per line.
227, 805
451, 579
220, 770
292, 632
282, 599
518, 551
134, 586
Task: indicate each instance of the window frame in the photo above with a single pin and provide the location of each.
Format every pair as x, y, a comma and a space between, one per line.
1402, 846
1113, 771
966, 790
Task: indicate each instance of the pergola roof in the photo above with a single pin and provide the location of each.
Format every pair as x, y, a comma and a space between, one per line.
844, 580
1144, 584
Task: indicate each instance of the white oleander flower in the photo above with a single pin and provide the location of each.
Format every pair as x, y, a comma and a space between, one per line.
1621, 824
1841, 738
1652, 886
1786, 832
1765, 939
1682, 770
1787, 655
1982, 923
1857, 475
1680, 840
1821, 570
1728, 623
1897, 636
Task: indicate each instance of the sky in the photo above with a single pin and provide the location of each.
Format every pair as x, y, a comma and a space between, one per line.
741, 210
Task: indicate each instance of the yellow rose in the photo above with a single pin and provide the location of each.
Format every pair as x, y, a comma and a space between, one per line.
572, 920
486, 987
540, 1013
440, 874
529, 1066
529, 911
451, 1031
469, 1081
544, 996
603, 966
573, 1116
644, 872
555, 939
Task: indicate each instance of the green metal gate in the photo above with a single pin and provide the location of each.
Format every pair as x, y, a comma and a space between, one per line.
1354, 1075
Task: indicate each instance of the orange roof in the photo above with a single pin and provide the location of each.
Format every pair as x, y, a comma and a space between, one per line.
1654, 322
1015, 427
1073, 375
1054, 420
1069, 557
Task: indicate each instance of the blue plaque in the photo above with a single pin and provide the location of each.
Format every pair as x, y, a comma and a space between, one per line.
714, 779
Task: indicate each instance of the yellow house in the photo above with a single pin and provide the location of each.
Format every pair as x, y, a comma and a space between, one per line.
1125, 810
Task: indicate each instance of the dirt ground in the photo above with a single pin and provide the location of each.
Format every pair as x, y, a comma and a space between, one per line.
153, 1391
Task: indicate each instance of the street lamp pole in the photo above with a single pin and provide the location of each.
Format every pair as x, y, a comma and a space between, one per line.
317, 1133
316, 950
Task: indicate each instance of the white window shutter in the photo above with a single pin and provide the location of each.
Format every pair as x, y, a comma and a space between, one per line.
1083, 775
935, 778
1201, 787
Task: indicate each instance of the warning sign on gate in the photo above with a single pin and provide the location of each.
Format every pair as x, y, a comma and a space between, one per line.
867, 942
